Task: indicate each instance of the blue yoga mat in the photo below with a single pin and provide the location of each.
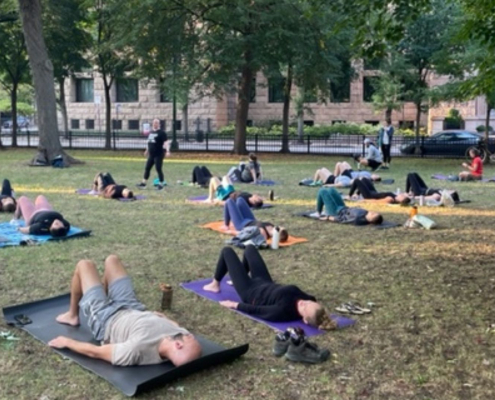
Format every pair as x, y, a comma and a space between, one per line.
10, 235
228, 292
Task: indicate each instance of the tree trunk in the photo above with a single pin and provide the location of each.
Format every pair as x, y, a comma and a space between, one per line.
185, 121
13, 109
2, 147
63, 105
49, 145
487, 128
108, 113
416, 128
242, 108
285, 112
388, 114
300, 127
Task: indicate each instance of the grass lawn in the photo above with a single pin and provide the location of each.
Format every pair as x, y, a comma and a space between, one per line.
429, 336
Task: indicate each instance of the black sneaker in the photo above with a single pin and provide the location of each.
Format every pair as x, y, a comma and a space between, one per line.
281, 344
141, 185
306, 352
159, 186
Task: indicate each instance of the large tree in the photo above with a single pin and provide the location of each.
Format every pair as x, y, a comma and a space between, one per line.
14, 64
49, 145
64, 19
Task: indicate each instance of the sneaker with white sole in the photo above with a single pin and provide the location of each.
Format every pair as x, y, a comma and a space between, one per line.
306, 352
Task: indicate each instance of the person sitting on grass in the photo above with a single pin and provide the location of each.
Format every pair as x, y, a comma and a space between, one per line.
475, 169
40, 218
337, 211
250, 172
129, 335
373, 158
7, 199
366, 188
261, 296
416, 187
220, 191
241, 216
105, 186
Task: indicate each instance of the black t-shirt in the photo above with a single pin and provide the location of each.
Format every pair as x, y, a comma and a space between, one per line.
245, 196
41, 222
117, 192
156, 139
261, 225
273, 302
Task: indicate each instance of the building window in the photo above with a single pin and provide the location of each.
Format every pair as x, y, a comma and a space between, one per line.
133, 124
309, 122
127, 90
74, 124
369, 88
340, 91
90, 124
406, 124
178, 125
249, 122
164, 98
276, 90
372, 122
116, 124
338, 121
84, 90
252, 97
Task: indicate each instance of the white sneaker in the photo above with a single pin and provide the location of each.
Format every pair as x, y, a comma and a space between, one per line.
316, 214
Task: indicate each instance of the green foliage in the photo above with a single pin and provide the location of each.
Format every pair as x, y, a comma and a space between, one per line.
481, 128
22, 108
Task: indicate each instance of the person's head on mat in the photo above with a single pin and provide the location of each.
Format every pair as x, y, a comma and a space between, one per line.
376, 178
255, 201
127, 193
58, 229
7, 204
129, 334
403, 199
374, 218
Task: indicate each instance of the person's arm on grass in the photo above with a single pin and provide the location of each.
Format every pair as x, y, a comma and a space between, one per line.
103, 352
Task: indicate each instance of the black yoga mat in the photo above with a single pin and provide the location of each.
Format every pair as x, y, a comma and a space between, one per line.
129, 380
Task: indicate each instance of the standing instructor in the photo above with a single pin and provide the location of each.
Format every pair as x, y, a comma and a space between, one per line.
385, 141
157, 140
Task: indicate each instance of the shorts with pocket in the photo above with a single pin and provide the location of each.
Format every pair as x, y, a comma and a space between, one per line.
98, 307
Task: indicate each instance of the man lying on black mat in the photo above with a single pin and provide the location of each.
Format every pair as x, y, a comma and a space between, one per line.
129, 334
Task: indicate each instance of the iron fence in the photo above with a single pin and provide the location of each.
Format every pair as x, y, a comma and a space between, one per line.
199, 141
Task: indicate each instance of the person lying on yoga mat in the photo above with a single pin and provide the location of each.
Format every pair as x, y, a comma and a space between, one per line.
337, 211
220, 191
105, 186
260, 295
475, 170
250, 172
201, 176
417, 187
129, 334
343, 175
344, 168
365, 188
373, 158
40, 218
241, 216
7, 200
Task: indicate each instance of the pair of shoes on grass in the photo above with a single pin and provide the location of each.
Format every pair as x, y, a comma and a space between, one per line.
352, 308
294, 346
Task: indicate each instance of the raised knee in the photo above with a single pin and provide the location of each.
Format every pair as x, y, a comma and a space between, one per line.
112, 259
85, 264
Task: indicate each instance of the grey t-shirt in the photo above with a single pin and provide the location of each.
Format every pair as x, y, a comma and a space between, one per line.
136, 336
373, 154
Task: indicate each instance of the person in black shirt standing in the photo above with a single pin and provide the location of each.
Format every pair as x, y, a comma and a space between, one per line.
155, 152
40, 217
260, 295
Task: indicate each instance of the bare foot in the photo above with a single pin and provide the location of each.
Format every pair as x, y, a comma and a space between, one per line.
214, 287
68, 319
208, 201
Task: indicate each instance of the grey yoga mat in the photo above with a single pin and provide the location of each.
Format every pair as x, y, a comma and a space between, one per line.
129, 380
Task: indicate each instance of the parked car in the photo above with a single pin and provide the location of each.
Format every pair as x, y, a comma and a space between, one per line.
448, 143
22, 122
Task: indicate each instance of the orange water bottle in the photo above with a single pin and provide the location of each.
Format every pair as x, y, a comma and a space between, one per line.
413, 212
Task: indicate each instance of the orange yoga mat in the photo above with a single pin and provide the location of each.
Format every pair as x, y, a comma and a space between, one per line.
216, 226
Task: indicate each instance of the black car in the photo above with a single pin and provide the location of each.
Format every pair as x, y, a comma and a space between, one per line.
448, 143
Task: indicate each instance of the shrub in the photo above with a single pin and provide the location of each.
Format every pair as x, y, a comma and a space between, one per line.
481, 128
453, 120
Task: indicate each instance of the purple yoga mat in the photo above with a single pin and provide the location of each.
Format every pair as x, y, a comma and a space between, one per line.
88, 192
197, 199
228, 292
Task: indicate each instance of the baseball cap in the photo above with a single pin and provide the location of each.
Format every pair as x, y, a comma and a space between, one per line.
366, 141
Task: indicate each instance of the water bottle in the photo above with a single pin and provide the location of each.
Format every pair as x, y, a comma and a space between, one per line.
167, 293
397, 191
421, 201
275, 237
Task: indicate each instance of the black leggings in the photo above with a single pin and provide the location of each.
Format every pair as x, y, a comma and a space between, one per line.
416, 185
157, 161
107, 180
386, 153
6, 188
366, 188
251, 262
201, 175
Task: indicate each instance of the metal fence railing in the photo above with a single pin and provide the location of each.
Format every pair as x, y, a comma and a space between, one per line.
199, 141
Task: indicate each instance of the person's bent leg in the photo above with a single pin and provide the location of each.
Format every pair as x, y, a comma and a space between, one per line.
231, 212
113, 270
322, 175
159, 167
85, 277
229, 262
25, 209
245, 210
108, 179
226, 181
415, 184
41, 203
331, 199
6, 188
253, 263
214, 184
206, 172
